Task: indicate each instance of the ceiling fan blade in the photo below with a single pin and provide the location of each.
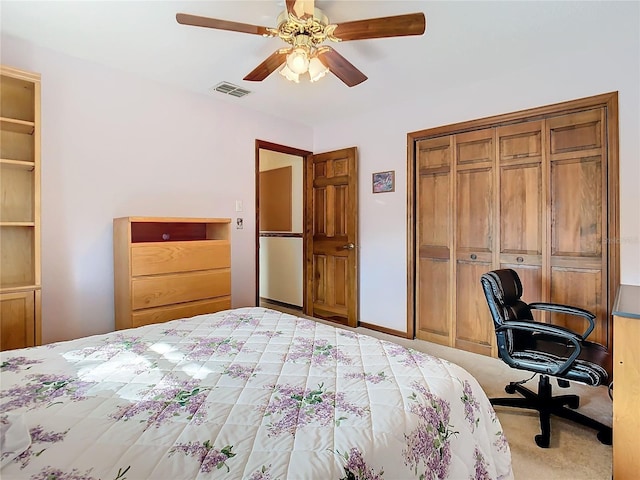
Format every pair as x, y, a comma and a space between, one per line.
267, 67
341, 67
301, 8
196, 21
396, 26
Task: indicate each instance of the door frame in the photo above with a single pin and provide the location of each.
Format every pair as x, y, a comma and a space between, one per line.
305, 154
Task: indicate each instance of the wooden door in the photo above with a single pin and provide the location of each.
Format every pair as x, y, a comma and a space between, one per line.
434, 271
332, 236
474, 240
521, 192
578, 262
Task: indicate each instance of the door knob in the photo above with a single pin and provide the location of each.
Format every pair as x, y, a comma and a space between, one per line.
349, 246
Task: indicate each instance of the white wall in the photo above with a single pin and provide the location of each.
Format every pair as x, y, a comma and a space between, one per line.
599, 55
116, 145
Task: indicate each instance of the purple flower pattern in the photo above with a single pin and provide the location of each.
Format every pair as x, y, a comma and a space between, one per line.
471, 405
348, 334
318, 352
292, 407
429, 444
262, 474
356, 468
409, 356
208, 456
168, 399
204, 348
50, 473
38, 436
114, 346
480, 465
44, 389
16, 364
268, 333
233, 320
369, 377
239, 371
175, 332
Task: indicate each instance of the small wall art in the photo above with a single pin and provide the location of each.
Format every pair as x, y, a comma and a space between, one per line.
384, 182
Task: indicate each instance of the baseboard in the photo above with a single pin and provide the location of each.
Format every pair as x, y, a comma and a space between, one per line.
388, 331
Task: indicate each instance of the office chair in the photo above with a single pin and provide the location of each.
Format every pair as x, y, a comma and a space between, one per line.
545, 349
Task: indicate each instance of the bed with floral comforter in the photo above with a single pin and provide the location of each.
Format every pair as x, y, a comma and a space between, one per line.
249, 393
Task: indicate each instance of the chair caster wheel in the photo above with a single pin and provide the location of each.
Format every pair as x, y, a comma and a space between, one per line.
541, 441
605, 436
574, 403
510, 388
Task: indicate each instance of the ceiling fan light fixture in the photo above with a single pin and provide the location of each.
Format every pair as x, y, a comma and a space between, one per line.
317, 69
298, 60
289, 75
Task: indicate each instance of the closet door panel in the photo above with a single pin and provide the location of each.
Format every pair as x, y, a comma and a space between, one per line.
474, 238
581, 287
520, 206
434, 198
433, 304
578, 187
474, 326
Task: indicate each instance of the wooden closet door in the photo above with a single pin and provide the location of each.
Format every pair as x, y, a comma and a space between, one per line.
434, 245
578, 188
474, 219
521, 196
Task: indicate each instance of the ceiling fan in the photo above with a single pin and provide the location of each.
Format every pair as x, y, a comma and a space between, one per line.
305, 28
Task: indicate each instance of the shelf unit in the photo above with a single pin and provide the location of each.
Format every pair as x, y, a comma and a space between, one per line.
170, 268
20, 283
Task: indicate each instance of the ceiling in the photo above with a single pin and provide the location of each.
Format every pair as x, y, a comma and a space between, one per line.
462, 40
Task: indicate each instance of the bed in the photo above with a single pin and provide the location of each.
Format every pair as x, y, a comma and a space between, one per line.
249, 393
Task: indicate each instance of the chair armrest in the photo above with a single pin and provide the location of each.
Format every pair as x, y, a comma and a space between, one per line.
566, 309
553, 330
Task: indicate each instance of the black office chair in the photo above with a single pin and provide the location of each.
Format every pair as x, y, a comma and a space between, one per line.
546, 349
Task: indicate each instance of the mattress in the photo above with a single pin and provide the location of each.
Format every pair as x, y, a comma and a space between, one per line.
249, 393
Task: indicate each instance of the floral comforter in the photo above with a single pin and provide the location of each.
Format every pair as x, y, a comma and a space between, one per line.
250, 394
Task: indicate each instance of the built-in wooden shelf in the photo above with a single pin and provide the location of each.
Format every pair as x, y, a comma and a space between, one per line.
17, 224
17, 126
21, 164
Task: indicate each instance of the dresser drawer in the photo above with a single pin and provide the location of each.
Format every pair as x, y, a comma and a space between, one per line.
182, 310
161, 290
170, 257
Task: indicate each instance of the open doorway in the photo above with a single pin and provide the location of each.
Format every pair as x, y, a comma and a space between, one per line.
308, 242
280, 242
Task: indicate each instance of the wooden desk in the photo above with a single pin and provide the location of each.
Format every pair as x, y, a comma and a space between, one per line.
626, 377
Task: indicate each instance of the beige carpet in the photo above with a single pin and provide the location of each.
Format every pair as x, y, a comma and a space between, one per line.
574, 454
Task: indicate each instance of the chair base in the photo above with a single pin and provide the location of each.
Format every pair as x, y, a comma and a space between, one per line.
546, 405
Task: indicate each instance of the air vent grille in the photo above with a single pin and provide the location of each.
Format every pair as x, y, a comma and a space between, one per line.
230, 89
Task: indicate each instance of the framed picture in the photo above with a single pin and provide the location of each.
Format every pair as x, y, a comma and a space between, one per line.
384, 182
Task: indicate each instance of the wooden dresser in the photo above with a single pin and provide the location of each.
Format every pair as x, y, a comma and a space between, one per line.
169, 268
626, 382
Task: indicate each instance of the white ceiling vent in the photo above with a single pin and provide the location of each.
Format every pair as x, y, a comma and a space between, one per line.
230, 89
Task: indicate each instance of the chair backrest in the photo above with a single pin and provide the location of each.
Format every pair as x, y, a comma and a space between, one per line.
503, 291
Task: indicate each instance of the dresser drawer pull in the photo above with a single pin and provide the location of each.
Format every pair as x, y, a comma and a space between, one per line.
473, 256
519, 259
166, 236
